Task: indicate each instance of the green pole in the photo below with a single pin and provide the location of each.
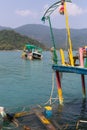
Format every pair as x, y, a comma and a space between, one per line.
55, 59
86, 63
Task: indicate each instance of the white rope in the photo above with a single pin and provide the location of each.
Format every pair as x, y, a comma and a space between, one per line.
51, 94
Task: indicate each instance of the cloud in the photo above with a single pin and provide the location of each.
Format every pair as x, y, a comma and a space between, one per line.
26, 13
74, 10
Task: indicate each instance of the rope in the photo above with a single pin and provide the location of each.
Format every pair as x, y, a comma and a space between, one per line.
51, 94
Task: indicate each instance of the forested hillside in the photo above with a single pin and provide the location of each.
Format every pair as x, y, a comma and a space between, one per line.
9, 40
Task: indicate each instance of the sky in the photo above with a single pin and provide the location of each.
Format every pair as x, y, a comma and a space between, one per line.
15, 13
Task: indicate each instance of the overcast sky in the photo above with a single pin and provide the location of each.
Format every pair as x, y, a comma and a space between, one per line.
15, 13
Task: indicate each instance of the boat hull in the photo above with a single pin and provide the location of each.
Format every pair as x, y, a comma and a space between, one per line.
32, 56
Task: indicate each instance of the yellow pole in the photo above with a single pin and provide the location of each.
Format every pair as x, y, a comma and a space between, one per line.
62, 57
69, 38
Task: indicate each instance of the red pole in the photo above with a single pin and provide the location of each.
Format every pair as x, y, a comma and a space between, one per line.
83, 86
58, 81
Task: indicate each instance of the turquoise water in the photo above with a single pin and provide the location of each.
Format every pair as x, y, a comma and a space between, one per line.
25, 83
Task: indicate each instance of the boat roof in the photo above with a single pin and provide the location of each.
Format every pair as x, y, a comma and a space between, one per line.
30, 46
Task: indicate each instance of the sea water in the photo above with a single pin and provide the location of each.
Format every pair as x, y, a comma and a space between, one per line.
25, 83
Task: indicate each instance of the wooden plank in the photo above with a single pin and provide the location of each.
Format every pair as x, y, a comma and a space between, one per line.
24, 113
44, 120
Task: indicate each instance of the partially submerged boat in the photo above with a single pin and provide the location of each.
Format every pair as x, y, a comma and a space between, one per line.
75, 63
31, 52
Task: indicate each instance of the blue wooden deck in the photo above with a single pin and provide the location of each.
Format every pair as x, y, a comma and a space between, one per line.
70, 69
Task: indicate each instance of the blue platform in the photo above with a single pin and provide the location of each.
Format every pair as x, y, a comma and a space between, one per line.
70, 69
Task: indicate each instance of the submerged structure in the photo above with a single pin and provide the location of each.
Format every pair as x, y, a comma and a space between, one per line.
32, 52
28, 120
76, 63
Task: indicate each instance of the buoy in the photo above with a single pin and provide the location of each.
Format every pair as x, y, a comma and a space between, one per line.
48, 111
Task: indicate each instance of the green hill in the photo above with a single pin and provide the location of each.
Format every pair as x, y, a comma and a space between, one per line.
9, 40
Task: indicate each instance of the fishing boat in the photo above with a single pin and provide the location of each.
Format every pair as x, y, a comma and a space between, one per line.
32, 52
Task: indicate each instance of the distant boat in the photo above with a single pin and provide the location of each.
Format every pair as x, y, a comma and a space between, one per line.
31, 52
